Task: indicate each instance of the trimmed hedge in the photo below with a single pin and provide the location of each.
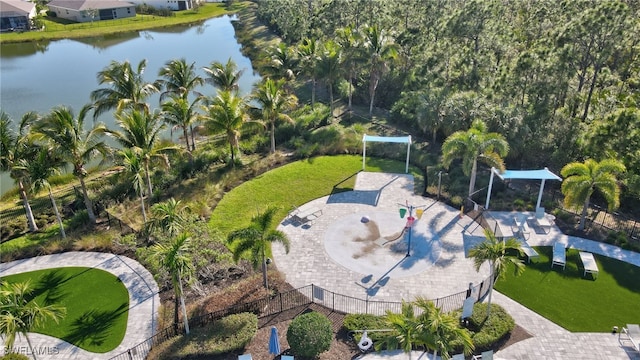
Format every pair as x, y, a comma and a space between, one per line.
487, 332
310, 334
354, 322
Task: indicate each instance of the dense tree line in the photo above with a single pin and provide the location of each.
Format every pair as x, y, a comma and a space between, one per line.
558, 79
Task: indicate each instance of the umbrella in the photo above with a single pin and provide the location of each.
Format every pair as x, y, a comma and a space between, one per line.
274, 342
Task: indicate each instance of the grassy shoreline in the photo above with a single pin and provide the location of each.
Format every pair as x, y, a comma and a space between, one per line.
56, 30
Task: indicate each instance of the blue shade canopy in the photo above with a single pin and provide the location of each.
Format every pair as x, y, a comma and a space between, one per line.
274, 342
542, 174
390, 139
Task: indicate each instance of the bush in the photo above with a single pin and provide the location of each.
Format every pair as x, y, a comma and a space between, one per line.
310, 334
486, 332
354, 322
79, 220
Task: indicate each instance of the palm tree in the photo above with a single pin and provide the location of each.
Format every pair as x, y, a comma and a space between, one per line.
350, 41
381, 50
273, 102
20, 316
582, 179
226, 113
66, 131
141, 131
329, 67
127, 88
179, 78
283, 63
224, 77
175, 258
256, 238
496, 253
308, 54
404, 330
179, 112
439, 331
132, 162
474, 145
45, 164
168, 216
14, 148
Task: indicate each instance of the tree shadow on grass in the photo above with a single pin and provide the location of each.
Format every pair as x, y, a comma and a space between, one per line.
94, 326
50, 285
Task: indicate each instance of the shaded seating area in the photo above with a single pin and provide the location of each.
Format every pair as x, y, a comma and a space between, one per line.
559, 255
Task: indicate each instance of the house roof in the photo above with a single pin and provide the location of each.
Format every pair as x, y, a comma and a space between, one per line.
80, 5
9, 8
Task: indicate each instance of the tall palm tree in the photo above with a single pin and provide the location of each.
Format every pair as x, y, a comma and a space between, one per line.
224, 77
350, 40
308, 54
329, 67
583, 179
256, 238
178, 79
283, 63
45, 164
381, 50
226, 113
496, 252
439, 331
273, 101
127, 88
19, 315
179, 112
14, 148
132, 162
168, 216
67, 131
404, 330
141, 131
176, 259
473, 145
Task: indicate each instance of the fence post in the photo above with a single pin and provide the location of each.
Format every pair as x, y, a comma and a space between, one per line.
281, 306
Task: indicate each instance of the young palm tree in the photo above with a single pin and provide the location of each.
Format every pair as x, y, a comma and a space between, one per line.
127, 88
176, 259
256, 238
329, 67
45, 164
66, 131
439, 331
495, 252
226, 113
141, 131
178, 79
404, 330
308, 55
19, 316
224, 77
474, 145
132, 162
273, 101
168, 216
14, 148
381, 50
582, 179
179, 112
283, 63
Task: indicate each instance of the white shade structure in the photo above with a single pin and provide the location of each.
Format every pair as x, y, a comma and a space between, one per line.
389, 139
543, 175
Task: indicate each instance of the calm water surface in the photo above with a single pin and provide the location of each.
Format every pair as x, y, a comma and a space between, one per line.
40, 76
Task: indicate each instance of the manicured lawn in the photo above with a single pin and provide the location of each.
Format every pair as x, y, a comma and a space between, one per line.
97, 305
575, 302
296, 184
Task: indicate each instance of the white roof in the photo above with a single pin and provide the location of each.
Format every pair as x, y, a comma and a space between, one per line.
543, 174
391, 139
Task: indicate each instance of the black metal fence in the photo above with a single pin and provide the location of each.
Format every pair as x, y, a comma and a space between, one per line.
307, 295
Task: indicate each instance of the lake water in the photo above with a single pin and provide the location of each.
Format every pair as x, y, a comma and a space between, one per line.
40, 76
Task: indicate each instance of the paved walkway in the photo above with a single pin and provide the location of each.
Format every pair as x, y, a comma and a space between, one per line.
355, 261
143, 301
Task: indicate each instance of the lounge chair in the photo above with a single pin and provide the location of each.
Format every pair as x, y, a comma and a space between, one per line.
528, 250
485, 355
542, 221
559, 255
245, 357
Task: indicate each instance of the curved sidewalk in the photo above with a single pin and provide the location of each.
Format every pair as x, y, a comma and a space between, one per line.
144, 301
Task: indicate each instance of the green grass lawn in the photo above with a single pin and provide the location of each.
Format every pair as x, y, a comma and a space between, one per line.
296, 184
575, 302
97, 305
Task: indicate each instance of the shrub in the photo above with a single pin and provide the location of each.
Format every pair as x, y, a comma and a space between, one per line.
310, 334
79, 220
14, 356
486, 332
354, 322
